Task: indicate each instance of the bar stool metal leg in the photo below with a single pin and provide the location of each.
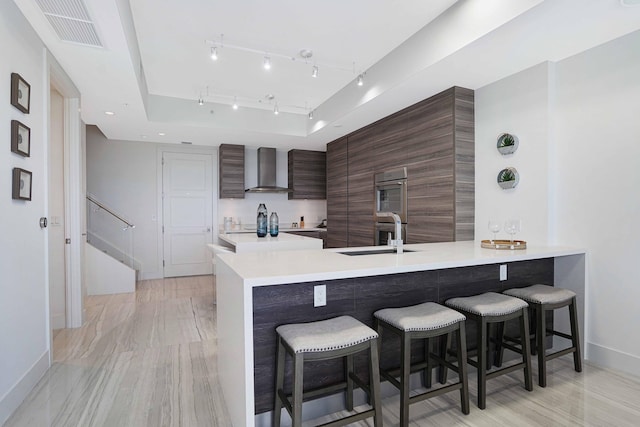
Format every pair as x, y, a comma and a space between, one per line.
280, 357
575, 334
526, 350
462, 367
298, 370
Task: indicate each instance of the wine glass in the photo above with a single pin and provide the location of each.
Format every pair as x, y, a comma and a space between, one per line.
511, 227
494, 227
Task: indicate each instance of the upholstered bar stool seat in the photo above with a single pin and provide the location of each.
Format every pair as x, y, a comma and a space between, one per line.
424, 321
542, 298
340, 337
486, 309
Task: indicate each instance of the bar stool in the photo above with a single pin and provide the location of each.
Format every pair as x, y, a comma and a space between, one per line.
341, 337
424, 321
486, 309
543, 298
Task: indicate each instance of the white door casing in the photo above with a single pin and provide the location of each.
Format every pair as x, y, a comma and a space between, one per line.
187, 212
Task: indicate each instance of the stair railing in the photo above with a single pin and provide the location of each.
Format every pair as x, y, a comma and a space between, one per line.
110, 232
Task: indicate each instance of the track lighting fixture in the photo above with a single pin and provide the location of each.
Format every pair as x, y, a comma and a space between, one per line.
360, 80
214, 53
311, 115
235, 103
276, 111
267, 63
200, 101
314, 71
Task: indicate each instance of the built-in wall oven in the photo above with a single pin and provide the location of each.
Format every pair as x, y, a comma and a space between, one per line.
390, 189
391, 194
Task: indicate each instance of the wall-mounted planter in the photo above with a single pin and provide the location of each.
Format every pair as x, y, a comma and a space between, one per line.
508, 178
507, 143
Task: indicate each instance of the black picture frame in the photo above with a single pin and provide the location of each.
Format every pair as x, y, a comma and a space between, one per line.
20, 138
20, 93
22, 184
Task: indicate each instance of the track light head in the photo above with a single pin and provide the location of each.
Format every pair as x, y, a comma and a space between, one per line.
266, 64
276, 111
200, 102
311, 115
360, 80
214, 53
314, 71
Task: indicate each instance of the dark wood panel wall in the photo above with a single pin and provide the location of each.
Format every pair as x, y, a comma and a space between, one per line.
360, 298
231, 171
307, 174
337, 193
434, 139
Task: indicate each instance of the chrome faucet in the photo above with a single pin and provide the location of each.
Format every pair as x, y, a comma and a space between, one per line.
397, 241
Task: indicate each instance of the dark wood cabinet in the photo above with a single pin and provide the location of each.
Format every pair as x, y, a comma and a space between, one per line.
337, 193
307, 174
231, 171
434, 139
360, 187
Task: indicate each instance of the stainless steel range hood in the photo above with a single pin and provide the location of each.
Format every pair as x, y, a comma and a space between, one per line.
267, 173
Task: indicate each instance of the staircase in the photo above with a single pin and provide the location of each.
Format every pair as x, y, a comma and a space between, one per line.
111, 267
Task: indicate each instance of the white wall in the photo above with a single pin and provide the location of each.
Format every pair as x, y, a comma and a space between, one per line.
123, 175
578, 159
517, 104
598, 199
24, 301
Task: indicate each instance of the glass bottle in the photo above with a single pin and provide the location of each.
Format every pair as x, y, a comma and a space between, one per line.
261, 220
273, 224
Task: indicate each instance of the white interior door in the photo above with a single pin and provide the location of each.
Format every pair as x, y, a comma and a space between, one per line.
187, 211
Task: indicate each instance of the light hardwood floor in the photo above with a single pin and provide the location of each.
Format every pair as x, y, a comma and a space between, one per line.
149, 359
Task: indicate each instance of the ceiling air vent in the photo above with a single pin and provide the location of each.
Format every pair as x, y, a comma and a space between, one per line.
71, 21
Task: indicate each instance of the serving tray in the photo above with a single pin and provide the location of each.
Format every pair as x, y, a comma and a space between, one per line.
504, 244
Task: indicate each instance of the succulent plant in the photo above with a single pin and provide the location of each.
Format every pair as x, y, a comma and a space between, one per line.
507, 175
507, 140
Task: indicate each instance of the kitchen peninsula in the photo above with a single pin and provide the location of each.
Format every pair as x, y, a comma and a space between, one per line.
258, 291
250, 242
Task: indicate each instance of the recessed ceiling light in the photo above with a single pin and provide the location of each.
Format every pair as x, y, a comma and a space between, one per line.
110, 113
629, 3
143, 136
161, 133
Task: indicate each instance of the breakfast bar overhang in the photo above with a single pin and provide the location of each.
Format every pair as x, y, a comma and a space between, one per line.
258, 291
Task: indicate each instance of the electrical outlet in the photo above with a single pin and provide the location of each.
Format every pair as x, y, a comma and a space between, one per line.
319, 295
503, 272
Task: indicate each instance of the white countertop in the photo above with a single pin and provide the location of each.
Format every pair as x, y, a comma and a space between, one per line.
248, 230
250, 242
311, 265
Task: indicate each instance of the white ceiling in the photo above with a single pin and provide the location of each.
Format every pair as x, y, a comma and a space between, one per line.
155, 61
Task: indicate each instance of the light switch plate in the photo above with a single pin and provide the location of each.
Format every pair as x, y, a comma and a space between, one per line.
503, 272
319, 295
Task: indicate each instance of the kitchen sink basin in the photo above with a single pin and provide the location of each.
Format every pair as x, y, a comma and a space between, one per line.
373, 252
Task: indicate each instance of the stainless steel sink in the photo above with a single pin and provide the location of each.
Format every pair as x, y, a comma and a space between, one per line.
373, 252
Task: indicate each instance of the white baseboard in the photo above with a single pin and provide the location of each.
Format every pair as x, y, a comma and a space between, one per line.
149, 275
58, 321
613, 359
14, 397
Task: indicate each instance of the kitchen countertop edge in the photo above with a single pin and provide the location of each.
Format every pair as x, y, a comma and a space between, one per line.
274, 268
